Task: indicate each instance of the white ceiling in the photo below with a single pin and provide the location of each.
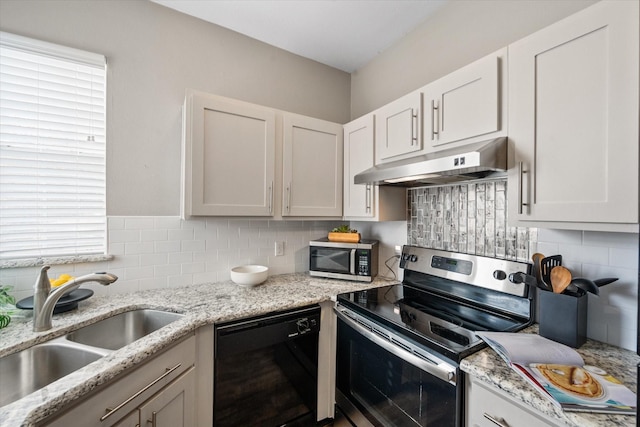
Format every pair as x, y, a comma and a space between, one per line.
344, 34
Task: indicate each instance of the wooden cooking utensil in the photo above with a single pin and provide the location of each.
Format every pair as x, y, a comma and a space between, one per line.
536, 258
560, 279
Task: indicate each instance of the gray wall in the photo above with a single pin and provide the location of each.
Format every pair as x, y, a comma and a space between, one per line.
458, 34
153, 54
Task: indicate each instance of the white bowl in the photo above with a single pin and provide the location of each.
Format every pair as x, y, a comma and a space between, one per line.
249, 275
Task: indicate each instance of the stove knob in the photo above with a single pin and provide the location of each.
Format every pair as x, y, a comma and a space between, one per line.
414, 258
406, 257
499, 275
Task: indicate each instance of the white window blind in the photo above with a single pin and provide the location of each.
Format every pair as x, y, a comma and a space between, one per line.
52, 150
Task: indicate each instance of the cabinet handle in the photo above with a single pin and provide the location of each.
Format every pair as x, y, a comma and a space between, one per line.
111, 411
289, 198
414, 128
496, 420
521, 202
271, 197
435, 117
368, 198
154, 416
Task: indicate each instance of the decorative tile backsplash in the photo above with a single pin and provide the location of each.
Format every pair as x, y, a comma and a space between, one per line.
469, 218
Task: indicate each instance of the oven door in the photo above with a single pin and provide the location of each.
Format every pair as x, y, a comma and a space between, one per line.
379, 383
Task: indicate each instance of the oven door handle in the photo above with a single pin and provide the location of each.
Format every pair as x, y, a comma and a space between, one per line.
442, 371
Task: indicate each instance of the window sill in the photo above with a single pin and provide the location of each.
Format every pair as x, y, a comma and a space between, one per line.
36, 262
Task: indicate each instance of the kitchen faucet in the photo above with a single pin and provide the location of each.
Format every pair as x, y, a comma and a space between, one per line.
45, 300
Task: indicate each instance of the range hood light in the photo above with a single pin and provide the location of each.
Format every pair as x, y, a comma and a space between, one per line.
411, 178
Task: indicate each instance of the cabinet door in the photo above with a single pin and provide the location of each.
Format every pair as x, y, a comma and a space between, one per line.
358, 156
488, 407
230, 157
398, 134
463, 104
312, 167
367, 202
573, 119
173, 406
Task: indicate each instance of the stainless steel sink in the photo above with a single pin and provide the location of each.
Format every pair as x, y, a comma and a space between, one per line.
31, 369
122, 329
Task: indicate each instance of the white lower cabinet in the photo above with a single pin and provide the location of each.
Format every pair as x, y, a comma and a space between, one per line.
174, 406
161, 392
487, 406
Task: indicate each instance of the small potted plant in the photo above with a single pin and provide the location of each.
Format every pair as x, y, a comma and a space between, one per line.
344, 233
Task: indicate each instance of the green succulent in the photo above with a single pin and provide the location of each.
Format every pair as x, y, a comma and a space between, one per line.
343, 229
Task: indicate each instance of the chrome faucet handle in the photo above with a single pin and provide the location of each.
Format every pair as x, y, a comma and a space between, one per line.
41, 291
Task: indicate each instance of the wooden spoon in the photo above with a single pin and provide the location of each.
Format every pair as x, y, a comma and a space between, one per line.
536, 258
560, 279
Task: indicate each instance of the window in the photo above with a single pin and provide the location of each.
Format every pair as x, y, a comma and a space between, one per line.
52, 150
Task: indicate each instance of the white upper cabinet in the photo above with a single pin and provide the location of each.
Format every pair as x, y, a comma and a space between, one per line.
366, 202
242, 159
229, 157
465, 104
573, 121
398, 133
312, 167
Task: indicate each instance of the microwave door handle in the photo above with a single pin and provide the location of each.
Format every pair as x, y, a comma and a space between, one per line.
352, 262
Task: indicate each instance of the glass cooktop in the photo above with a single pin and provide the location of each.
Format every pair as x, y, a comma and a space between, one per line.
436, 321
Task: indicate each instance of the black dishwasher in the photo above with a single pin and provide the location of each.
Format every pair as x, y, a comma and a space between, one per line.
266, 370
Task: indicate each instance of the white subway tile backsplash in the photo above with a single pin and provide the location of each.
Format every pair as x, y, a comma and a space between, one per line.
619, 257
193, 245
167, 246
194, 267
153, 259
180, 257
154, 235
169, 222
181, 234
134, 248
116, 222
134, 273
611, 240
165, 270
565, 236
124, 236
139, 223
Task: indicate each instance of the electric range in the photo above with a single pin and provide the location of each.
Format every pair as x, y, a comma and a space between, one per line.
399, 346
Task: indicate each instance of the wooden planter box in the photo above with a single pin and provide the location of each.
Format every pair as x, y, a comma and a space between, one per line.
344, 237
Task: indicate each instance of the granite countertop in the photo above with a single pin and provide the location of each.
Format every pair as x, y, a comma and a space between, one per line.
489, 368
202, 305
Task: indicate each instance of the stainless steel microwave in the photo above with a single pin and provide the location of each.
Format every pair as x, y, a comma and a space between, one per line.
350, 261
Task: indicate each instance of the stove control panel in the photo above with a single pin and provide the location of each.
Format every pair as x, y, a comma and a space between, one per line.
451, 264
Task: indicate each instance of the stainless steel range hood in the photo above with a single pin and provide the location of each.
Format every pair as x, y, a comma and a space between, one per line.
472, 161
